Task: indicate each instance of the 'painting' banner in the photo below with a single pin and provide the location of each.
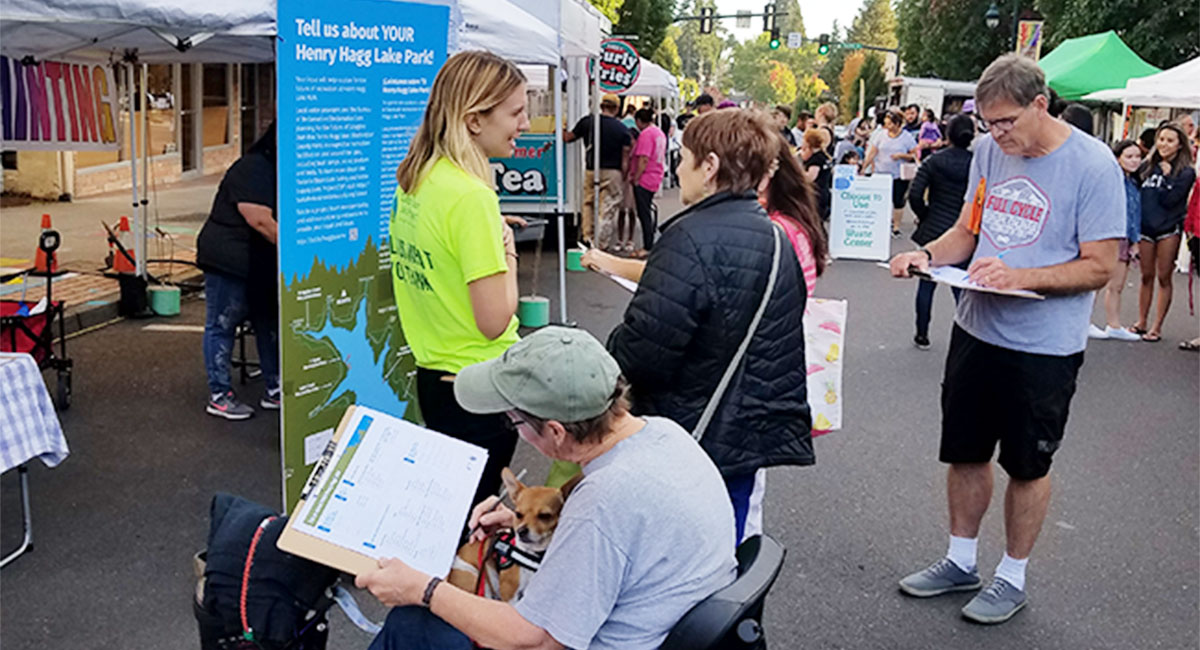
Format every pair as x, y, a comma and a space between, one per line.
58, 106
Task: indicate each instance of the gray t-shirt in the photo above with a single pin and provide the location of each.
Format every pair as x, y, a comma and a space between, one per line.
887, 145
647, 534
1036, 211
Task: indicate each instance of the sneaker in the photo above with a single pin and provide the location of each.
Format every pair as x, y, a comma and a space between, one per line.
270, 400
1120, 334
895, 233
1097, 333
226, 406
922, 342
942, 577
996, 604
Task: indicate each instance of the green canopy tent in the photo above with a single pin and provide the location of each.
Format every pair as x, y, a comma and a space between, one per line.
1083, 65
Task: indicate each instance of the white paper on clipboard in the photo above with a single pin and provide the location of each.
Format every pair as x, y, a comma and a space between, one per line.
393, 489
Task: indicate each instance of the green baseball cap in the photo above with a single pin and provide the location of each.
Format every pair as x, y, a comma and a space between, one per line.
556, 373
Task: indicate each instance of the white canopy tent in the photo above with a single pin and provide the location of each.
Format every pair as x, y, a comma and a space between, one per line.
1177, 87
161, 31
654, 81
503, 28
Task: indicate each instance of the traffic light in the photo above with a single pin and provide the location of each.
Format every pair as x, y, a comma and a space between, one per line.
823, 45
706, 21
775, 39
769, 21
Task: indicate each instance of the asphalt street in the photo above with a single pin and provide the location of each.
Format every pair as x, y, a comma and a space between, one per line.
1117, 565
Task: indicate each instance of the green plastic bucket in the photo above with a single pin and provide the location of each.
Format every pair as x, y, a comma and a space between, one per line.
164, 300
575, 260
533, 311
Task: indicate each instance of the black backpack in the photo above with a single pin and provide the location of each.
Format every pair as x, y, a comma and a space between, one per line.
287, 597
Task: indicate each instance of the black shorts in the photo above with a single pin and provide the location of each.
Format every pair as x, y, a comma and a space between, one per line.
899, 192
992, 394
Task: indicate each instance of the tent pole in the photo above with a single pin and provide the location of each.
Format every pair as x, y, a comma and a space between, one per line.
139, 222
596, 152
145, 145
555, 86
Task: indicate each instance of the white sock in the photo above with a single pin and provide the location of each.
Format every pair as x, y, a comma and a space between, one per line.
962, 552
1013, 571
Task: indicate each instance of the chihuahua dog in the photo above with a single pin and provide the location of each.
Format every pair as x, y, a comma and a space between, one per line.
537, 510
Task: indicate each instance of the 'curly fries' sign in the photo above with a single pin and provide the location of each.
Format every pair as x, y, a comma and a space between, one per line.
620, 65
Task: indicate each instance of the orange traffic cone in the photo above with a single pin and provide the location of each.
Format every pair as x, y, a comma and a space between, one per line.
43, 263
121, 263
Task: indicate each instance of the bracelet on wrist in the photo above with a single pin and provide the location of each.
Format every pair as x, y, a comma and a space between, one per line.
429, 588
928, 253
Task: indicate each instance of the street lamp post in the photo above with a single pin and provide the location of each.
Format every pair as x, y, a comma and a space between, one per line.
992, 19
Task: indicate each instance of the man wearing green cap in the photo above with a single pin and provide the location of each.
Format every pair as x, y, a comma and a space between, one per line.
646, 534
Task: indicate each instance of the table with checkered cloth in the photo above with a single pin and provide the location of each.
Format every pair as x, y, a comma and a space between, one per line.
29, 426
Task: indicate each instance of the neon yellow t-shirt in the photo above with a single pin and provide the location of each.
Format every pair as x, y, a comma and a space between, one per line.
445, 236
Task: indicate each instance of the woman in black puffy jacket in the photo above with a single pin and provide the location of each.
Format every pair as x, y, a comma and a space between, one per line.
944, 175
699, 291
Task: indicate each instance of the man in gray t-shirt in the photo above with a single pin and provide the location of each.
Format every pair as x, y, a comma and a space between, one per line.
645, 535
1044, 211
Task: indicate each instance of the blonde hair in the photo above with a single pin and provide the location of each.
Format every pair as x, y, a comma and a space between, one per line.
469, 82
828, 112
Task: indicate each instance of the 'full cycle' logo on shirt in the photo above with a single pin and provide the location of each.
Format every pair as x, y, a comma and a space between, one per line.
1015, 213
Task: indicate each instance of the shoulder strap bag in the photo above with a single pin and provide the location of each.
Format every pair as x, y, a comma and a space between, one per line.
715, 400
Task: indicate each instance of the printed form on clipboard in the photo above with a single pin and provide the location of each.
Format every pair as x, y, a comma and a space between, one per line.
385, 487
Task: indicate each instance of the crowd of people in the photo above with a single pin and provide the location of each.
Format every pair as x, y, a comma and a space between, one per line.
707, 366
635, 158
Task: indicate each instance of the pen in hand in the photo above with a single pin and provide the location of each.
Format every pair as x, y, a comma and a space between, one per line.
499, 499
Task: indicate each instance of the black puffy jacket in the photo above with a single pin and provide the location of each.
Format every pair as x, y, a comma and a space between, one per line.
703, 282
945, 174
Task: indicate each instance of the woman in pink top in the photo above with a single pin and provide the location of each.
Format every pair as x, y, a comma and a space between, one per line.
790, 200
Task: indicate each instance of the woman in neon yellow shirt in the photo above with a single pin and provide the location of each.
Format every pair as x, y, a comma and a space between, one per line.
454, 266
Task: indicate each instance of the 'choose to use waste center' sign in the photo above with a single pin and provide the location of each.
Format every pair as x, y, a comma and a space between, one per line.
620, 65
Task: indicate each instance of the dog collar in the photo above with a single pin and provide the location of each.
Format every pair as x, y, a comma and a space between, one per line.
506, 552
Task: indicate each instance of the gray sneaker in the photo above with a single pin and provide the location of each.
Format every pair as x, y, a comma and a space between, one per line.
996, 604
942, 577
226, 406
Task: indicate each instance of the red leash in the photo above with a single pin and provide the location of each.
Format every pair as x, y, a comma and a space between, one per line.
247, 633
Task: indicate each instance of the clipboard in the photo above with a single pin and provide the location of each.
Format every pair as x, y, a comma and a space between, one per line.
391, 488
940, 274
318, 550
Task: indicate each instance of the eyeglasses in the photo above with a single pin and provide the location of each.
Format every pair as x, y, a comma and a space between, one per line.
518, 420
1001, 125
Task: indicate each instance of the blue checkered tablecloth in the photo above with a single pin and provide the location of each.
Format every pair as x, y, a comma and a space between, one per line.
29, 426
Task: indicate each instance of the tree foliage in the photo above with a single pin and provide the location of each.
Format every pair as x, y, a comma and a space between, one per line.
874, 84
848, 81
610, 8
810, 90
647, 19
667, 54
688, 89
793, 21
831, 67
947, 40
1163, 32
701, 55
752, 62
783, 82
875, 24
